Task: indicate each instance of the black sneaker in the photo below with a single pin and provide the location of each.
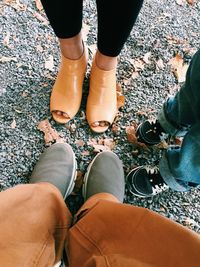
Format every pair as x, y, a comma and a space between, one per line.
145, 183
150, 133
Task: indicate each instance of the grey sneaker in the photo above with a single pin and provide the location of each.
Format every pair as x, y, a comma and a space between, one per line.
104, 175
57, 165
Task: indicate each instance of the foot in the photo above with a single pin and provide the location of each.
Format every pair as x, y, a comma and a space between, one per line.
151, 133
102, 99
104, 63
57, 166
67, 91
104, 175
144, 183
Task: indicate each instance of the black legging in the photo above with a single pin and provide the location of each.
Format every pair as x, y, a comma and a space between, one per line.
115, 21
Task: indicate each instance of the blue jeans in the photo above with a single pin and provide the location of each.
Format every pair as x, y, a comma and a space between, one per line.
180, 116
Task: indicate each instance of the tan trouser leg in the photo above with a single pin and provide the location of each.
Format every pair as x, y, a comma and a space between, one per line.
108, 233
34, 222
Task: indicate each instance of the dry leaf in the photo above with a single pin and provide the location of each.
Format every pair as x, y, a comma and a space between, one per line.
49, 64
190, 223
109, 143
160, 64
180, 2
40, 18
179, 68
50, 134
39, 48
163, 145
138, 65
16, 5
79, 143
100, 148
120, 100
131, 136
38, 5
102, 144
146, 57
191, 2
7, 59
174, 40
85, 153
78, 182
115, 128
120, 97
13, 124
6, 39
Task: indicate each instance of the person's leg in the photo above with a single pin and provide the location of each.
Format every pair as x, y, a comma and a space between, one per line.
34, 219
180, 116
115, 21
106, 232
66, 20
180, 166
34, 222
178, 113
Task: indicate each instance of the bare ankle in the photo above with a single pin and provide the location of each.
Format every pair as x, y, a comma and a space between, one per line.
105, 62
72, 48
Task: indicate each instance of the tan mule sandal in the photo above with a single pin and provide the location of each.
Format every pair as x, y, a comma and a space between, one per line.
102, 98
67, 90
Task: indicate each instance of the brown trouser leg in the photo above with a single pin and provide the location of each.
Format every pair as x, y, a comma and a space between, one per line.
34, 223
108, 233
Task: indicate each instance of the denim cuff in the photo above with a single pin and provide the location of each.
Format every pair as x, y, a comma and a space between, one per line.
168, 177
168, 126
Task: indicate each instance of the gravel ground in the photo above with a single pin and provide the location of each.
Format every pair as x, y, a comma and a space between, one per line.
163, 28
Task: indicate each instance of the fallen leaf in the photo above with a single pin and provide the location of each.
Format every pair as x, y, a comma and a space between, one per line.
131, 136
13, 124
38, 5
160, 64
146, 57
120, 97
115, 128
7, 59
49, 64
78, 182
180, 2
50, 134
6, 39
16, 5
179, 68
138, 64
102, 144
39, 48
163, 145
109, 143
100, 148
145, 112
85, 153
174, 40
190, 222
79, 143
40, 18
191, 2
